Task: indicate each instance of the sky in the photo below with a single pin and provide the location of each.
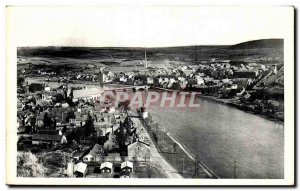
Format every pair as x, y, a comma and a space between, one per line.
142, 26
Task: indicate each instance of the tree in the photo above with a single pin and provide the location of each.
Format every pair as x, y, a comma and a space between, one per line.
89, 126
176, 86
70, 115
33, 121
47, 120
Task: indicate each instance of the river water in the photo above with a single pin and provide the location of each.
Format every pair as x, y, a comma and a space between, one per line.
219, 135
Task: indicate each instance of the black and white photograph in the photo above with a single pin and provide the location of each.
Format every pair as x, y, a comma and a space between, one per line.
158, 95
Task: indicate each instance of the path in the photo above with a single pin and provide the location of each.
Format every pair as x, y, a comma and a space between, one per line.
156, 157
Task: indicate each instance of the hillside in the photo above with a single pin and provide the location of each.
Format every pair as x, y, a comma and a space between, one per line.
252, 51
264, 43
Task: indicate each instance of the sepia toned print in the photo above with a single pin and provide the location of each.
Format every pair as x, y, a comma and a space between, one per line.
183, 112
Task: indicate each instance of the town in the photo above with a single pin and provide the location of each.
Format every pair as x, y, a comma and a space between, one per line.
68, 127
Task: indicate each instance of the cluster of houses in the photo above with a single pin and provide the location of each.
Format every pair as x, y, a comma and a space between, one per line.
207, 74
102, 136
105, 170
94, 163
57, 118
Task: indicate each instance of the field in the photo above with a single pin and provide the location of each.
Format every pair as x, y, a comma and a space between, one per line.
89, 59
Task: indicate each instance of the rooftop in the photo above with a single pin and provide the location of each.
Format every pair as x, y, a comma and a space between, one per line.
46, 137
81, 167
106, 165
127, 164
83, 93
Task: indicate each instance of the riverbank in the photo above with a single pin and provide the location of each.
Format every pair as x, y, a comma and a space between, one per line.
156, 158
175, 153
229, 102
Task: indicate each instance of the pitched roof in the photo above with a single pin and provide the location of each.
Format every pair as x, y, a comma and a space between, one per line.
127, 164
141, 143
95, 149
48, 132
81, 167
87, 92
106, 165
46, 137
80, 117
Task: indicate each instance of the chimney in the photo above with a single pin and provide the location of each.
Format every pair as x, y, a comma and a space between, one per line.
146, 64
275, 69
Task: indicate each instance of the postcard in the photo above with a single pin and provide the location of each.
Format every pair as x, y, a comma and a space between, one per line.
150, 95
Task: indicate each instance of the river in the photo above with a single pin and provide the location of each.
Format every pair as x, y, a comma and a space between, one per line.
219, 135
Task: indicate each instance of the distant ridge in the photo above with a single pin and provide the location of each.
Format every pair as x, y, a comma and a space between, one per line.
192, 54
263, 43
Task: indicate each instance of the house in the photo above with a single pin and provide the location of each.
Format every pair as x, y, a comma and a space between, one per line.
200, 81
234, 86
245, 74
113, 157
46, 96
139, 151
44, 103
59, 115
216, 82
110, 145
28, 120
47, 88
106, 168
20, 105
123, 79
87, 94
101, 128
80, 169
91, 156
39, 119
249, 81
72, 121
127, 166
111, 75
48, 138
20, 126
78, 154
150, 80
145, 114
80, 119
226, 81
112, 109
64, 105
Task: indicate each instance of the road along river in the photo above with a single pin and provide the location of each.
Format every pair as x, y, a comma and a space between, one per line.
231, 142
